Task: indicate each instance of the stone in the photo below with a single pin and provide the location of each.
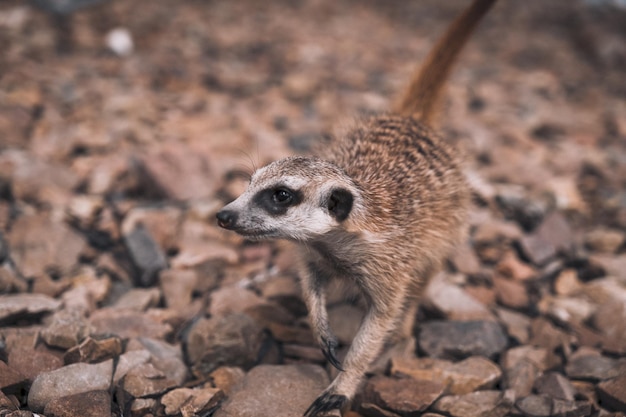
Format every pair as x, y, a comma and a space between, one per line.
469, 375
545, 406
85, 404
141, 407
453, 302
572, 310
556, 386
32, 360
511, 267
567, 283
402, 396
35, 256
24, 306
537, 250
11, 381
465, 260
458, 340
139, 299
191, 402
520, 378
178, 286
604, 240
130, 360
545, 334
517, 325
308, 353
605, 290
67, 329
535, 406
227, 378
612, 393
291, 334
592, 367
233, 340
145, 381
372, 410
162, 223
262, 392
232, 299
128, 324
10, 282
537, 356
178, 172
556, 230
511, 293
475, 404
167, 358
345, 321
610, 320
146, 255
69, 380
93, 350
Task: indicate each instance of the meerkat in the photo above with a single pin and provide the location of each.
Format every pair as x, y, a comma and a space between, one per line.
381, 208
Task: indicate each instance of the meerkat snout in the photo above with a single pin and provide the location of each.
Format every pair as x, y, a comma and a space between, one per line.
226, 218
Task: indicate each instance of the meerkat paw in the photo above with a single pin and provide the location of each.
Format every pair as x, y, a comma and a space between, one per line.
329, 349
325, 403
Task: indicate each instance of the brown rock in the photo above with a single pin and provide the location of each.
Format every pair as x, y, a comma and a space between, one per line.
11, 381
556, 231
233, 340
291, 334
572, 310
567, 282
472, 374
67, 329
93, 350
178, 172
34, 255
86, 404
139, 299
227, 378
145, 381
461, 339
453, 302
308, 353
262, 393
372, 410
163, 223
191, 402
510, 266
545, 334
403, 396
556, 386
232, 299
511, 293
146, 255
592, 367
128, 324
143, 407
539, 357
165, 357
178, 286
610, 320
19, 306
69, 380
465, 260
612, 393
31, 359
539, 251
604, 240
130, 360
520, 378
517, 325
476, 404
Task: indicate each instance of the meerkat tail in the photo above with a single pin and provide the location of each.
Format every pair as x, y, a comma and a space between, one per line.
425, 90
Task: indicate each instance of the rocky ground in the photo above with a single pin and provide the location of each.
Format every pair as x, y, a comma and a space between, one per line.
120, 296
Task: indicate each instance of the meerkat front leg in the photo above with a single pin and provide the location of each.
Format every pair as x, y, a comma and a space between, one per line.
380, 320
314, 282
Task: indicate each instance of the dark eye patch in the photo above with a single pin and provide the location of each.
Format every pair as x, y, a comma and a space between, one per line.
277, 200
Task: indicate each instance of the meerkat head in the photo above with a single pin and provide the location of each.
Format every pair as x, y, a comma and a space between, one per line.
295, 198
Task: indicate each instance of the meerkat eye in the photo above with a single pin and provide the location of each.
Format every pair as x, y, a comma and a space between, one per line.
282, 196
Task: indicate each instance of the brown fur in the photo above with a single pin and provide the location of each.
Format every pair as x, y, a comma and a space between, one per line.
381, 209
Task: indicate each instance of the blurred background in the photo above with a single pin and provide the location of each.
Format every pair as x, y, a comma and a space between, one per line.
125, 125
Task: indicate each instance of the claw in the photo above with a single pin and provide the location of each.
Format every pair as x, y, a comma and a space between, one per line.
328, 349
326, 402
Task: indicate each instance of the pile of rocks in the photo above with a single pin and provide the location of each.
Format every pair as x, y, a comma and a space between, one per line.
120, 296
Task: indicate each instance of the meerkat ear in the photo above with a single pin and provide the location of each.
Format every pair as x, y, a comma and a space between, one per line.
340, 203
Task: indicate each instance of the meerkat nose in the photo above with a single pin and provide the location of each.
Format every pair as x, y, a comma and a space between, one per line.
226, 218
